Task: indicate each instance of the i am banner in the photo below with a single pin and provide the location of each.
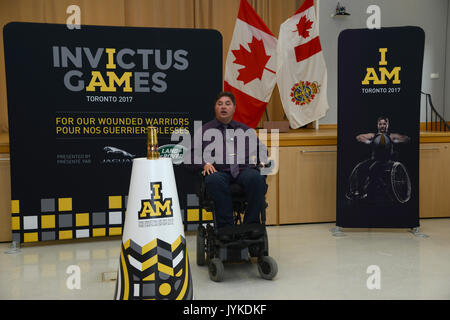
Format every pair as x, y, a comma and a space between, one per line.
379, 87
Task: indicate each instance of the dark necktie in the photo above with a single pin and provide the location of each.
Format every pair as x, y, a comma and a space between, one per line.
234, 166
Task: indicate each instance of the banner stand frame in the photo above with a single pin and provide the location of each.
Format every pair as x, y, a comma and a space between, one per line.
416, 232
382, 205
337, 232
13, 248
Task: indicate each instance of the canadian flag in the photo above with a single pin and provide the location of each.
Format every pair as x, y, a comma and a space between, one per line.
250, 66
301, 69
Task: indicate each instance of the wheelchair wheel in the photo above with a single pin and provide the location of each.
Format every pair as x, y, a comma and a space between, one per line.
201, 246
267, 267
357, 183
216, 270
401, 184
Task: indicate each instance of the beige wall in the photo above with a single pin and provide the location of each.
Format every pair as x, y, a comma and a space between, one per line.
209, 14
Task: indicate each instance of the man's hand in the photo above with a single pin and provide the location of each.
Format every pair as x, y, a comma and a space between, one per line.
208, 169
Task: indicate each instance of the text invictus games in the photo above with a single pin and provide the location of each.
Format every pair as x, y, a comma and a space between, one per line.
144, 70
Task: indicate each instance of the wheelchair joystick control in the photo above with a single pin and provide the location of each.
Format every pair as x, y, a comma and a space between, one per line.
152, 143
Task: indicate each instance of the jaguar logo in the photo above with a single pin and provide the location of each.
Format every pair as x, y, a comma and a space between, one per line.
116, 155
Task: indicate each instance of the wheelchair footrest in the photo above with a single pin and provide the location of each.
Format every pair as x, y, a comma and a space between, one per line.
243, 243
241, 232
233, 254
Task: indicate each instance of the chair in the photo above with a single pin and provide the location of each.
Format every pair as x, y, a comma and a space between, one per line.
239, 242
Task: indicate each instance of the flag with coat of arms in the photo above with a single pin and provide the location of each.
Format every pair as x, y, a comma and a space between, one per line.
301, 69
250, 65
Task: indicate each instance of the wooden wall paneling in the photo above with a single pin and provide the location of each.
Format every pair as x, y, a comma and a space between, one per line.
307, 184
434, 177
5, 198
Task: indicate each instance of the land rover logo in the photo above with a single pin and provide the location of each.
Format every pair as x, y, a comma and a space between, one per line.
173, 151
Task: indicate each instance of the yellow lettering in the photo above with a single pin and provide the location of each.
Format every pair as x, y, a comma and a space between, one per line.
395, 73
156, 206
113, 78
166, 207
110, 52
147, 209
371, 75
96, 81
156, 192
383, 61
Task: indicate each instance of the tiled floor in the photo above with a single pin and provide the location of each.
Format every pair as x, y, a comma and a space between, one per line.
312, 264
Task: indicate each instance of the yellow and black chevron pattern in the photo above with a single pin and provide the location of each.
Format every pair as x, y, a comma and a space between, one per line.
157, 270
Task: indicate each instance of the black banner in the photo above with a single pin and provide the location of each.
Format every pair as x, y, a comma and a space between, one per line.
379, 86
79, 103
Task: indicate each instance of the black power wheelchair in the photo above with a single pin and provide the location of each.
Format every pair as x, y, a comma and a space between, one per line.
236, 243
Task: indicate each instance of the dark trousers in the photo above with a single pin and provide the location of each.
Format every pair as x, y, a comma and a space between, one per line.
218, 188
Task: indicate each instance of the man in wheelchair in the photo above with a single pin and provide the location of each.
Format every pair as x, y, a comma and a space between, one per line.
232, 184
380, 177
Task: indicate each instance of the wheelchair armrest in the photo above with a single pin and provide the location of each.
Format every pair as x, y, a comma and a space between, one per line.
202, 190
266, 165
204, 200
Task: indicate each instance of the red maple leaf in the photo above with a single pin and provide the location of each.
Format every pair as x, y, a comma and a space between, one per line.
254, 61
303, 27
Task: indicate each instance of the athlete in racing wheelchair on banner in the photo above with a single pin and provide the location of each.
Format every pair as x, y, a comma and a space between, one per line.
380, 179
